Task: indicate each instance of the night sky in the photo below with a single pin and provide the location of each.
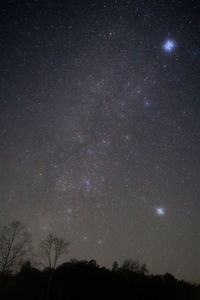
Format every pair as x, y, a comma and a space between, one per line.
100, 128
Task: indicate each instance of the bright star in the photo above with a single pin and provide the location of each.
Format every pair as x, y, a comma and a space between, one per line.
147, 103
169, 45
160, 211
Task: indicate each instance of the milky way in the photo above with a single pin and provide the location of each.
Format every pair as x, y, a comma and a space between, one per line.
100, 128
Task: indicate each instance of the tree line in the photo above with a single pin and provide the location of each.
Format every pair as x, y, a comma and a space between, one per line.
76, 279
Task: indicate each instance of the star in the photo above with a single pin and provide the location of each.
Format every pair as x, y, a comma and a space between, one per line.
89, 151
147, 103
160, 211
169, 45
69, 211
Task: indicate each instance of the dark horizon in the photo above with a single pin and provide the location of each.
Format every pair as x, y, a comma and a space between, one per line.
86, 279
100, 128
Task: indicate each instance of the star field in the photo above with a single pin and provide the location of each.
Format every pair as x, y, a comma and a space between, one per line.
100, 128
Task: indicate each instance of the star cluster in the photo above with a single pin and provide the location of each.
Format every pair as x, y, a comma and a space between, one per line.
100, 128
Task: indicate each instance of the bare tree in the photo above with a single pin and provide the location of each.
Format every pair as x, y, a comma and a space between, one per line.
52, 249
14, 245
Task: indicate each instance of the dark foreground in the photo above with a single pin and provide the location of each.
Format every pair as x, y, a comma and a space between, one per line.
86, 280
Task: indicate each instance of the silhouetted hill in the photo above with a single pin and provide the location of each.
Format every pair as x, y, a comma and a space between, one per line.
86, 280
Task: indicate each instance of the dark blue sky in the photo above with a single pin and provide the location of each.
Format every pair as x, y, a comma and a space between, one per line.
100, 128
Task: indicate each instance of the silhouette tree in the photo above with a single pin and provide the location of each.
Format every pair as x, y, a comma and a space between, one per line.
52, 249
134, 266
93, 263
115, 266
14, 245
